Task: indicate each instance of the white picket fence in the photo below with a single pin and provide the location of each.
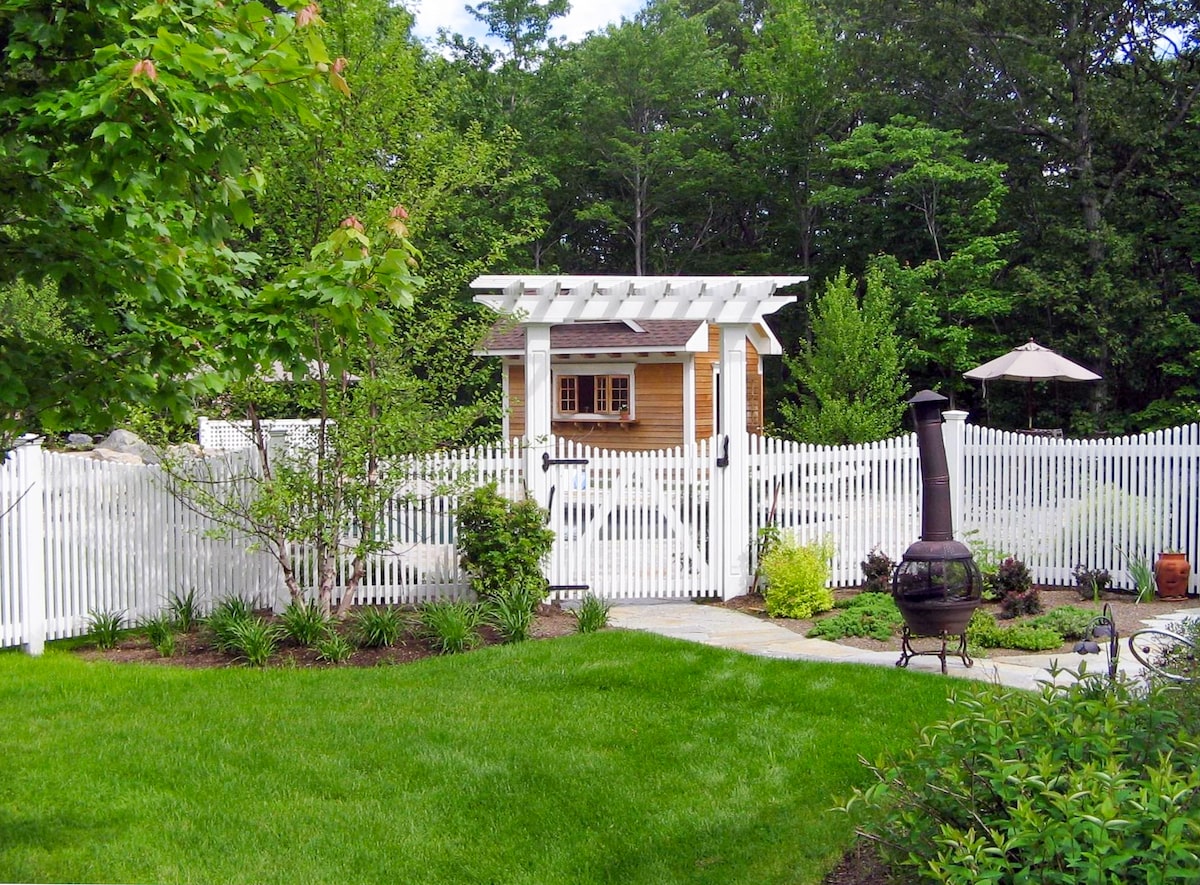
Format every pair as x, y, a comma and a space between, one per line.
1058, 503
78, 536
860, 497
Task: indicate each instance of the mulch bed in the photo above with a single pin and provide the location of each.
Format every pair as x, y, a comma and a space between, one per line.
193, 649
1127, 614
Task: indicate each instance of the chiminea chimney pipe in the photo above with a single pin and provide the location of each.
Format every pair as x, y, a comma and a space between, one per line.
936, 519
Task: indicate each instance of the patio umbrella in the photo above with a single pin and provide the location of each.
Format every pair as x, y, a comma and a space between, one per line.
1031, 362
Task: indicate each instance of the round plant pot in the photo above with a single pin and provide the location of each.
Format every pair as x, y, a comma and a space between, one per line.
1171, 574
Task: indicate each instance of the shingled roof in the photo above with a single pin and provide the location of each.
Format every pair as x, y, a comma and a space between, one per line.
648, 336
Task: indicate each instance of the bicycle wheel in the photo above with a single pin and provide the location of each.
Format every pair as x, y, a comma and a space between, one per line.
1165, 654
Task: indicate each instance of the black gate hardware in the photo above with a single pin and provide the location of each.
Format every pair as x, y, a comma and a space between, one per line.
547, 461
723, 460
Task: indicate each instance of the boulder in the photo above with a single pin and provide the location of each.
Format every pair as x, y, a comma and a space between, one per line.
128, 443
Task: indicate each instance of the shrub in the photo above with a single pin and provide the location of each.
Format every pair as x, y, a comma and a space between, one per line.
452, 627
184, 610
868, 614
1027, 637
1091, 783
592, 614
1091, 582
378, 627
334, 648
1012, 576
983, 632
105, 628
1068, 621
305, 623
503, 543
877, 569
1016, 605
254, 640
797, 578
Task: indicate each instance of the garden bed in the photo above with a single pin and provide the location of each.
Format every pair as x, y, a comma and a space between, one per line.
195, 648
1127, 613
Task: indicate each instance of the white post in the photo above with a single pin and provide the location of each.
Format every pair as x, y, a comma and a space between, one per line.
954, 433
30, 517
731, 518
537, 408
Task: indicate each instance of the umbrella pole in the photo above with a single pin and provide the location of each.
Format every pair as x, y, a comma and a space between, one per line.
1029, 402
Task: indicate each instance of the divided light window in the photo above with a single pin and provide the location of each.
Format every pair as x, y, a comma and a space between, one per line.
593, 394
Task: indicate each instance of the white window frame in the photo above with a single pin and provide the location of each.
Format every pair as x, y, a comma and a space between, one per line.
592, 369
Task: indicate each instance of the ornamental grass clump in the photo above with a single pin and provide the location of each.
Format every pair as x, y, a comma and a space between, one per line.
378, 627
105, 628
797, 577
304, 623
1093, 782
451, 626
592, 614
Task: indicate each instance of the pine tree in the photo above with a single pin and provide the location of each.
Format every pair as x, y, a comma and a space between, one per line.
850, 379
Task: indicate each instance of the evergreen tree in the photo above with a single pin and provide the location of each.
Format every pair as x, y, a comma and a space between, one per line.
850, 377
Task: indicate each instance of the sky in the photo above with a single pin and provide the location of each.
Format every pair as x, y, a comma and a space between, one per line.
585, 16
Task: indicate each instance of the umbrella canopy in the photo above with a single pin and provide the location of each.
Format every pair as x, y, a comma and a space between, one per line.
1030, 362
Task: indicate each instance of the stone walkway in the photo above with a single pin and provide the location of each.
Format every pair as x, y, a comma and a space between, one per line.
724, 628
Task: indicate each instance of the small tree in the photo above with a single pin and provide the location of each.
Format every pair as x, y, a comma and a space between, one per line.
331, 323
850, 377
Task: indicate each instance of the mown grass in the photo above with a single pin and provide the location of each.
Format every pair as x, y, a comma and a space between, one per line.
613, 757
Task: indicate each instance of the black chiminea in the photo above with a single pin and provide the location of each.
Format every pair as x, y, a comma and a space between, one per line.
937, 585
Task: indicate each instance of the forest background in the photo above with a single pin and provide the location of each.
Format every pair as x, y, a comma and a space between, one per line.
999, 172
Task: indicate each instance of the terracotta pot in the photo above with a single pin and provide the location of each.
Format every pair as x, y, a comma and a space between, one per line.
1171, 574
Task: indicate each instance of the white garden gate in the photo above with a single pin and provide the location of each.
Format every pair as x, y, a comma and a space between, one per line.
630, 524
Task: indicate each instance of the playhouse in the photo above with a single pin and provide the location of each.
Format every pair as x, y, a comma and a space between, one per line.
632, 363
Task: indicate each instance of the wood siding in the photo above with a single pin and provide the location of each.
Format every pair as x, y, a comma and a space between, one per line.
706, 394
516, 401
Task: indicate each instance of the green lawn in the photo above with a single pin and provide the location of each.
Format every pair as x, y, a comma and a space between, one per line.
616, 757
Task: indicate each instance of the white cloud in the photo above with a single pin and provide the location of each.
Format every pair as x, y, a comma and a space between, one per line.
585, 16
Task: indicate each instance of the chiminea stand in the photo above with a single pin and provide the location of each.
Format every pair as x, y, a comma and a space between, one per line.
907, 652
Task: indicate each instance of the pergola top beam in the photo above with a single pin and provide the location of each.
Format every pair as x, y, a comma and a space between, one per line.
562, 299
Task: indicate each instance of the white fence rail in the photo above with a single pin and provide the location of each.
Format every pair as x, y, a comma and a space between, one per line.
79, 536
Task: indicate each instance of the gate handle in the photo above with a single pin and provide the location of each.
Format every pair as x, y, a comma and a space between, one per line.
723, 460
547, 461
